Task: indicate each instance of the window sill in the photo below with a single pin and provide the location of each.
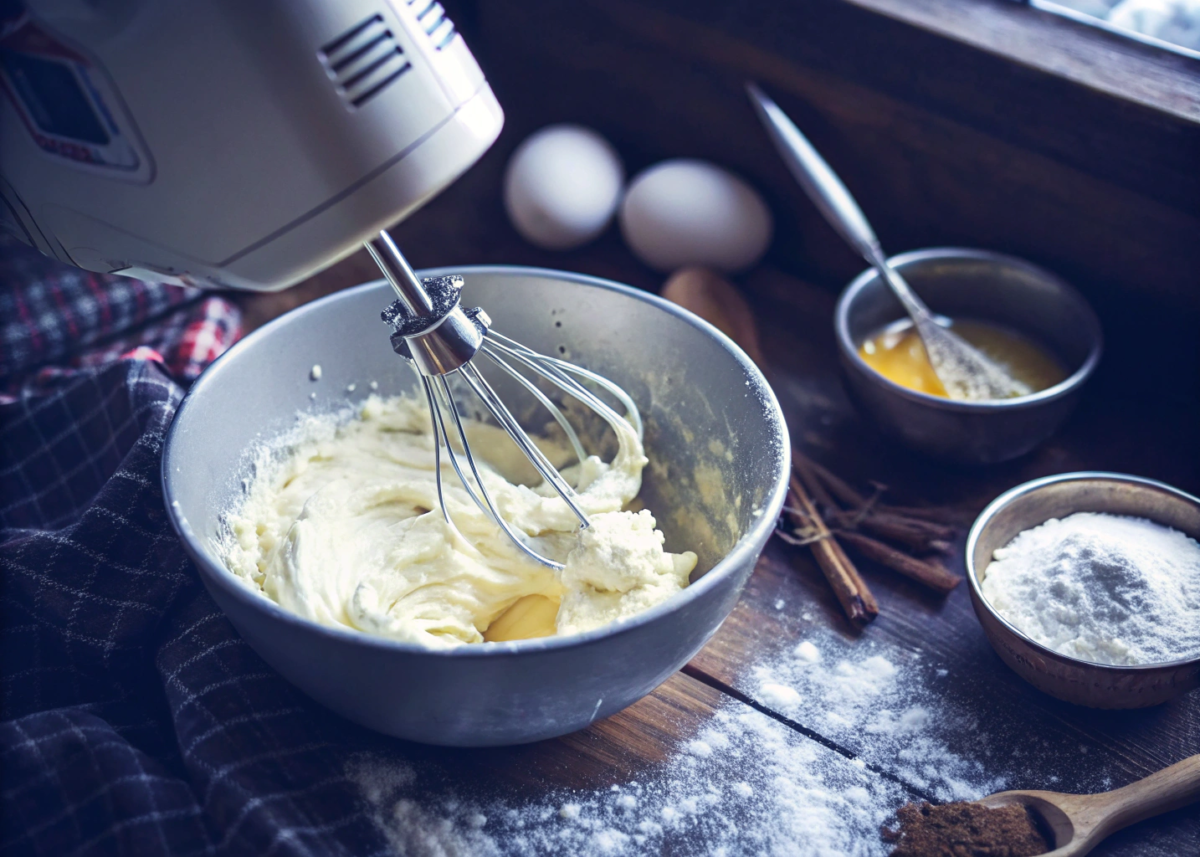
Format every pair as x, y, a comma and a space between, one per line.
1092, 56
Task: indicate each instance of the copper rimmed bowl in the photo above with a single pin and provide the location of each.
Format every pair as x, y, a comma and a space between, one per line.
719, 454
1070, 679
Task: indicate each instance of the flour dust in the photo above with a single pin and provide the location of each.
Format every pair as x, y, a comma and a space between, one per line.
743, 783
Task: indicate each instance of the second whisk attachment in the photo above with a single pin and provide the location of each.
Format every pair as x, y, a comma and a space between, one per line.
442, 338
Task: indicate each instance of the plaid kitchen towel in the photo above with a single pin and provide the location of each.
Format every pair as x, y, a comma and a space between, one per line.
55, 318
135, 721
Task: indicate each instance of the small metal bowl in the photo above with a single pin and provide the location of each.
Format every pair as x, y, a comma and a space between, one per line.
970, 284
1034, 503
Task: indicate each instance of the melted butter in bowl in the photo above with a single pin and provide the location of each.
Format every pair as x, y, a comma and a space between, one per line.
529, 617
897, 353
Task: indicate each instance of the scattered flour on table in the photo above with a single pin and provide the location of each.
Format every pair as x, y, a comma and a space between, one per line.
743, 784
881, 709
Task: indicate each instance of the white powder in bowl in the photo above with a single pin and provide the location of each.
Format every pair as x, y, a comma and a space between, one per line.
1103, 588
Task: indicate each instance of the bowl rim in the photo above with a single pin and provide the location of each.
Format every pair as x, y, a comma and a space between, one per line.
993, 508
234, 587
1060, 390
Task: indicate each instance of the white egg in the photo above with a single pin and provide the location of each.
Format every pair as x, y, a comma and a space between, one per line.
688, 212
562, 186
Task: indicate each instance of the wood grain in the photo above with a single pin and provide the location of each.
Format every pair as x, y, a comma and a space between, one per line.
788, 600
620, 749
1079, 749
797, 339
1107, 63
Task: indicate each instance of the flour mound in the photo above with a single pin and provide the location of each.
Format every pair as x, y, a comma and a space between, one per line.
1102, 588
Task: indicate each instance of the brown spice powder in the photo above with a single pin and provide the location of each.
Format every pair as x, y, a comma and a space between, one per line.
966, 830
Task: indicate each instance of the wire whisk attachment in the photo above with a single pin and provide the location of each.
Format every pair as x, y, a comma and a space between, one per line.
442, 339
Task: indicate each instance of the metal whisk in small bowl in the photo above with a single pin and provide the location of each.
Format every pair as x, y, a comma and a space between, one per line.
441, 338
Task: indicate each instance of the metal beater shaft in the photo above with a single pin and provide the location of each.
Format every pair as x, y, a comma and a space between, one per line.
441, 338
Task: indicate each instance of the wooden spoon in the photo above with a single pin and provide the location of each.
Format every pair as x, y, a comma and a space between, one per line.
714, 299
1079, 822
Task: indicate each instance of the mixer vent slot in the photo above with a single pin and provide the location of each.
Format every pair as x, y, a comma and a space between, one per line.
434, 21
364, 60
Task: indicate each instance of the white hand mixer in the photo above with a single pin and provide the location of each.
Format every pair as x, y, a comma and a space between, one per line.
251, 145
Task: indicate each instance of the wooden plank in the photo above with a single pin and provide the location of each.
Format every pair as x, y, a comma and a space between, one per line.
1120, 425
1093, 58
1134, 417
1035, 741
629, 745
1130, 744
637, 742
1109, 106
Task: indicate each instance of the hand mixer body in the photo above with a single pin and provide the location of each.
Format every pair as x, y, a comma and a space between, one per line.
251, 143
225, 142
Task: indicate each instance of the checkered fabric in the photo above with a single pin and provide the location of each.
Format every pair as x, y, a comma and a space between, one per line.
134, 720
50, 311
55, 318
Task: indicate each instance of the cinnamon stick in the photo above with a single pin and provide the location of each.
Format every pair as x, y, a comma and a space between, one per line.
712, 298
934, 514
834, 483
805, 470
920, 536
931, 574
932, 529
852, 593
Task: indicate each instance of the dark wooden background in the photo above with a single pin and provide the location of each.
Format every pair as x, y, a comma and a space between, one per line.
943, 142
955, 122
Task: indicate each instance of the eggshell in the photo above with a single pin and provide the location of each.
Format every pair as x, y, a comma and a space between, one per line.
690, 212
562, 186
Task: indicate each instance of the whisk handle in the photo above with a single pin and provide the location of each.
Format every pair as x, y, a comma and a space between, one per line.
815, 176
831, 197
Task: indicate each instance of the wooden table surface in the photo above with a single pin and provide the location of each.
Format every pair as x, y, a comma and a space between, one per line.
1032, 740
